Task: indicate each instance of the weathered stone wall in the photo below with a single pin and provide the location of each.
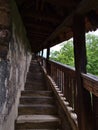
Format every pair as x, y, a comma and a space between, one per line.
15, 57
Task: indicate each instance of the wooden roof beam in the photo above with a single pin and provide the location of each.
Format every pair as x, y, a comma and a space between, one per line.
38, 37
41, 23
81, 9
39, 28
40, 17
38, 33
62, 3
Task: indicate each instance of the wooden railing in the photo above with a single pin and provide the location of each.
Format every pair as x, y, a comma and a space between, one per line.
65, 78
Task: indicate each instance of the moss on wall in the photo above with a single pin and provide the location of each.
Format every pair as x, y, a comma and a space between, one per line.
19, 28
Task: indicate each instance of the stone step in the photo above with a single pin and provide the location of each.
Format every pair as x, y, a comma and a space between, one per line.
33, 69
39, 75
37, 129
36, 93
32, 83
35, 80
37, 109
36, 100
35, 76
28, 122
35, 86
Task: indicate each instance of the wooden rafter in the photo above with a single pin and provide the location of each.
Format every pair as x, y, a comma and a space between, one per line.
51, 21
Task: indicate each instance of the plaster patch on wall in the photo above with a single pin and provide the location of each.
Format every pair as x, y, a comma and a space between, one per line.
3, 77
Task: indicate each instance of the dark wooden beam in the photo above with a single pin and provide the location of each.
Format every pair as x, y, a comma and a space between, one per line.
61, 28
41, 17
48, 67
42, 52
25, 4
38, 33
84, 107
62, 3
68, 21
20, 2
48, 52
95, 112
38, 22
39, 28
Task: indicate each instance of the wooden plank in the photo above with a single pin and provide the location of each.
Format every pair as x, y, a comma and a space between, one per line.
48, 67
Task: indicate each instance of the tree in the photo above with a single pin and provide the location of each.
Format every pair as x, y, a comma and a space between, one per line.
92, 54
66, 55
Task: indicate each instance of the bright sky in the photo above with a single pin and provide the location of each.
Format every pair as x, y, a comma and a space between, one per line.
57, 47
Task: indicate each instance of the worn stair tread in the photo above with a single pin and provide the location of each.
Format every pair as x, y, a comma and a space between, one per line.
31, 82
37, 118
34, 84
38, 97
32, 109
35, 87
37, 122
31, 92
37, 105
36, 100
38, 129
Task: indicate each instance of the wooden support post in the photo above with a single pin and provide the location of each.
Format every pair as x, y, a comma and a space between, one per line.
48, 52
42, 58
42, 52
84, 109
95, 112
47, 62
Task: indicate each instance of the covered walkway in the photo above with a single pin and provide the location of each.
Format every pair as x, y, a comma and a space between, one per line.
35, 92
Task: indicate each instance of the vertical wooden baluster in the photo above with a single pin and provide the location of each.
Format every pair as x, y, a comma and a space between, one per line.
64, 84
42, 58
75, 95
67, 86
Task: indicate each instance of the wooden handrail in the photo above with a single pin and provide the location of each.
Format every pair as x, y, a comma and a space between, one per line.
90, 82
66, 68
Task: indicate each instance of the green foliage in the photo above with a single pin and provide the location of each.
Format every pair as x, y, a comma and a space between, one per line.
92, 54
66, 55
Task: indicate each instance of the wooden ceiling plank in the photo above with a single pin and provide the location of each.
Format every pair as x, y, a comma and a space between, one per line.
39, 28
62, 3
42, 17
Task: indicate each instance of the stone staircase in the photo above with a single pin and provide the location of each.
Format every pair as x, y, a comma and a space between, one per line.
37, 109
